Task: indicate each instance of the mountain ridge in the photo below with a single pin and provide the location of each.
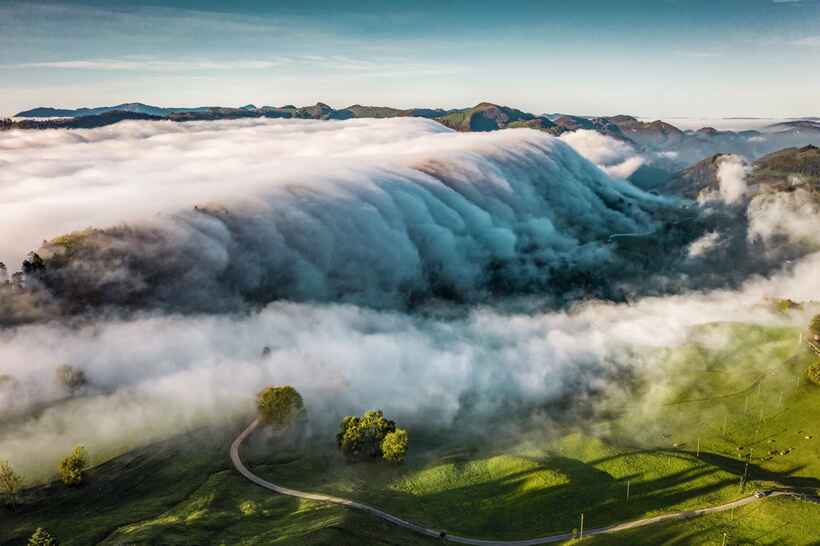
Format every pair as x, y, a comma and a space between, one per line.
668, 148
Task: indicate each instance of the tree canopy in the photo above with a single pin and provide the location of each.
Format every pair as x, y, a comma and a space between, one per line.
41, 537
279, 406
362, 437
10, 481
814, 325
72, 467
394, 446
71, 377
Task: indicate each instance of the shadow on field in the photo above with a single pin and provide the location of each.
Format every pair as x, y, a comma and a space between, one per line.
519, 504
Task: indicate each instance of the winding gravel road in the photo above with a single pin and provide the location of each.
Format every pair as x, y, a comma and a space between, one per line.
395, 520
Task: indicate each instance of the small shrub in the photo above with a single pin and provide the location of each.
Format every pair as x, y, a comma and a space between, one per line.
41, 537
814, 327
10, 482
72, 467
813, 373
70, 377
785, 305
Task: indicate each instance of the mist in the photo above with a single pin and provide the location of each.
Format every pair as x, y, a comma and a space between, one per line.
155, 376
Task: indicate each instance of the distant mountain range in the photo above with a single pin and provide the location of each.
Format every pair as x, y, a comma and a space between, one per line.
667, 148
318, 111
135, 107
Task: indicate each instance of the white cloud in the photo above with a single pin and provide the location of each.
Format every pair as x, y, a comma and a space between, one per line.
615, 157
731, 176
704, 245
153, 65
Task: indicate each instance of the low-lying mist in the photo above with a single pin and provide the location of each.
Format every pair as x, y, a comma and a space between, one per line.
153, 376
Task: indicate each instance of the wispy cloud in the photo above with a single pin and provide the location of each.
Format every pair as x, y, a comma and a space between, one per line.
384, 66
699, 54
150, 65
808, 41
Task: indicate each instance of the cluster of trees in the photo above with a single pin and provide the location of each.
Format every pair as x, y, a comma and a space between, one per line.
368, 436
71, 470
371, 436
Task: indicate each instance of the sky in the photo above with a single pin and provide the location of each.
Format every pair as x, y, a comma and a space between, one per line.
661, 58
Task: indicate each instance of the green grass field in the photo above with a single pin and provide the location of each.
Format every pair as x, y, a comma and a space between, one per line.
735, 394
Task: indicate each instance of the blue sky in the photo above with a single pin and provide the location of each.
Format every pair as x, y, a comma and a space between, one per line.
652, 58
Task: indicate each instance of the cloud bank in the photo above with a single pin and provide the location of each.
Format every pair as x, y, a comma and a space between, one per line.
380, 212
617, 158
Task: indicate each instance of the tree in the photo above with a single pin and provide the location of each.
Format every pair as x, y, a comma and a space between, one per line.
361, 437
813, 372
280, 406
814, 327
72, 467
394, 446
10, 482
41, 537
33, 264
71, 377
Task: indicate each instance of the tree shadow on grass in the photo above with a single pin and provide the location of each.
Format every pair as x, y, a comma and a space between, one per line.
511, 508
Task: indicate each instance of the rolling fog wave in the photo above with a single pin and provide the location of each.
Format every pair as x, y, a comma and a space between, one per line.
376, 212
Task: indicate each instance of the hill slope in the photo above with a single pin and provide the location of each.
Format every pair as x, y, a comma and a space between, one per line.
779, 171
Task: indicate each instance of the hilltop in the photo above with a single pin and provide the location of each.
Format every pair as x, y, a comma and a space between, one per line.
783, 170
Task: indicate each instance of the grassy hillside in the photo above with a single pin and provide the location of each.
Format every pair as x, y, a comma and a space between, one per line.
736, 393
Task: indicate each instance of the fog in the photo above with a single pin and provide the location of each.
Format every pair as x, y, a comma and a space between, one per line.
330, 210
617, 158
379, 212
154, 376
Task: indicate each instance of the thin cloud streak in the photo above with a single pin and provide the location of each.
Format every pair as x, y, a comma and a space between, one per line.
808, 41
383, 66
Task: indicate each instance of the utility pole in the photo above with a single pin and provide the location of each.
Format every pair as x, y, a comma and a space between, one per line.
582, 527
627, 490
724, 540
725, 422
698, 454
